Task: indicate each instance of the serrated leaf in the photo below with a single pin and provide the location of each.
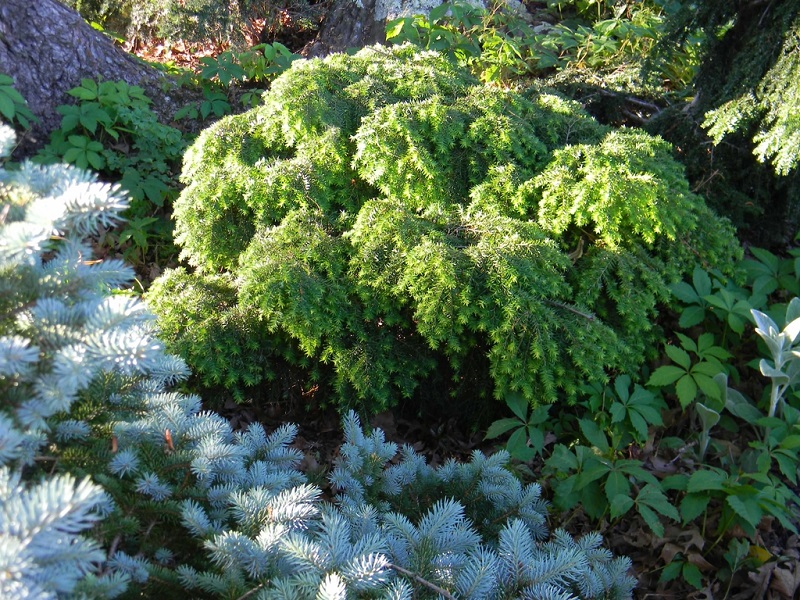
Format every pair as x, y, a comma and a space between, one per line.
692, 575
708, 386
622, 386
685, 293
594, 434
500, 427
639, 424
653, 497
767, 258
618, 412
746, 507
691, 316
652, 519
517, 446
678, 355
736, 323
518, 405
616, 485
671, 571
620, 505
705, 480
686, 389
594, 472
7, 108
665, 375
693, 505
701, 281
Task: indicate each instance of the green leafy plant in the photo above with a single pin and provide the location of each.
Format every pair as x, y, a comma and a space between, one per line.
692, 376
386, 214
13, 107
499, 45
527, 438
112, 130
230, 73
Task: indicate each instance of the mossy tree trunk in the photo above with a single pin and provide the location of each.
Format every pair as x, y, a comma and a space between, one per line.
48, 48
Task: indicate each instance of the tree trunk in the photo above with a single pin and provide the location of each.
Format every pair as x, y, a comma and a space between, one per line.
47, 48
349, 24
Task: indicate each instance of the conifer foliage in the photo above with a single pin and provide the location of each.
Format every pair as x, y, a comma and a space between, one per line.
85, 390
384, 216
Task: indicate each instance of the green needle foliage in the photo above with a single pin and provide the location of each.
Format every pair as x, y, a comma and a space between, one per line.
387, 218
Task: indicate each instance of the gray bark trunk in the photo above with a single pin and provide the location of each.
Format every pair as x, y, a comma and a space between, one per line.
47, 48
349, 24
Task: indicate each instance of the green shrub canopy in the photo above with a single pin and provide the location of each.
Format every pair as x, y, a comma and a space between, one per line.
383, 215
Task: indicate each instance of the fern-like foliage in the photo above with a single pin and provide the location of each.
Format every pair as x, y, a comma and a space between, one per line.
386, 216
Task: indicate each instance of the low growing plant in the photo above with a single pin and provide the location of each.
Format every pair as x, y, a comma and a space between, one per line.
384, 216
85, 391
112, 130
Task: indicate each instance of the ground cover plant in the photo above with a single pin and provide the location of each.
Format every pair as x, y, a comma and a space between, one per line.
385, 216
173, 501
706, 443
688, 465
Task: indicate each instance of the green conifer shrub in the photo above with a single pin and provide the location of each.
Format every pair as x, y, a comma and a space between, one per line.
84, 390
383, 216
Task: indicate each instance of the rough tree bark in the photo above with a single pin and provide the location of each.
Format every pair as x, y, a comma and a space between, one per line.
349, 24
48, 48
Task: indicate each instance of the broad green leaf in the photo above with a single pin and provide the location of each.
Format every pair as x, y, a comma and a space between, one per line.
639, 424
620, 505
536, 438
500, 427
616, 485
594, 472
686, 389
621, 386
685, 293
746, 506
563, 460
438, 12
518, 447
653, 497
678, 356
618, 412
705, 480
701, 281
692, 575
96, 160
708, 386
7, 108
671, 571
652, 519
665, 375
691, 316
693, 505
594, 434
518, 405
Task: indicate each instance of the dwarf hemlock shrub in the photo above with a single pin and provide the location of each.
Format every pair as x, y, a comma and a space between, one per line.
385, 217
173, 503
